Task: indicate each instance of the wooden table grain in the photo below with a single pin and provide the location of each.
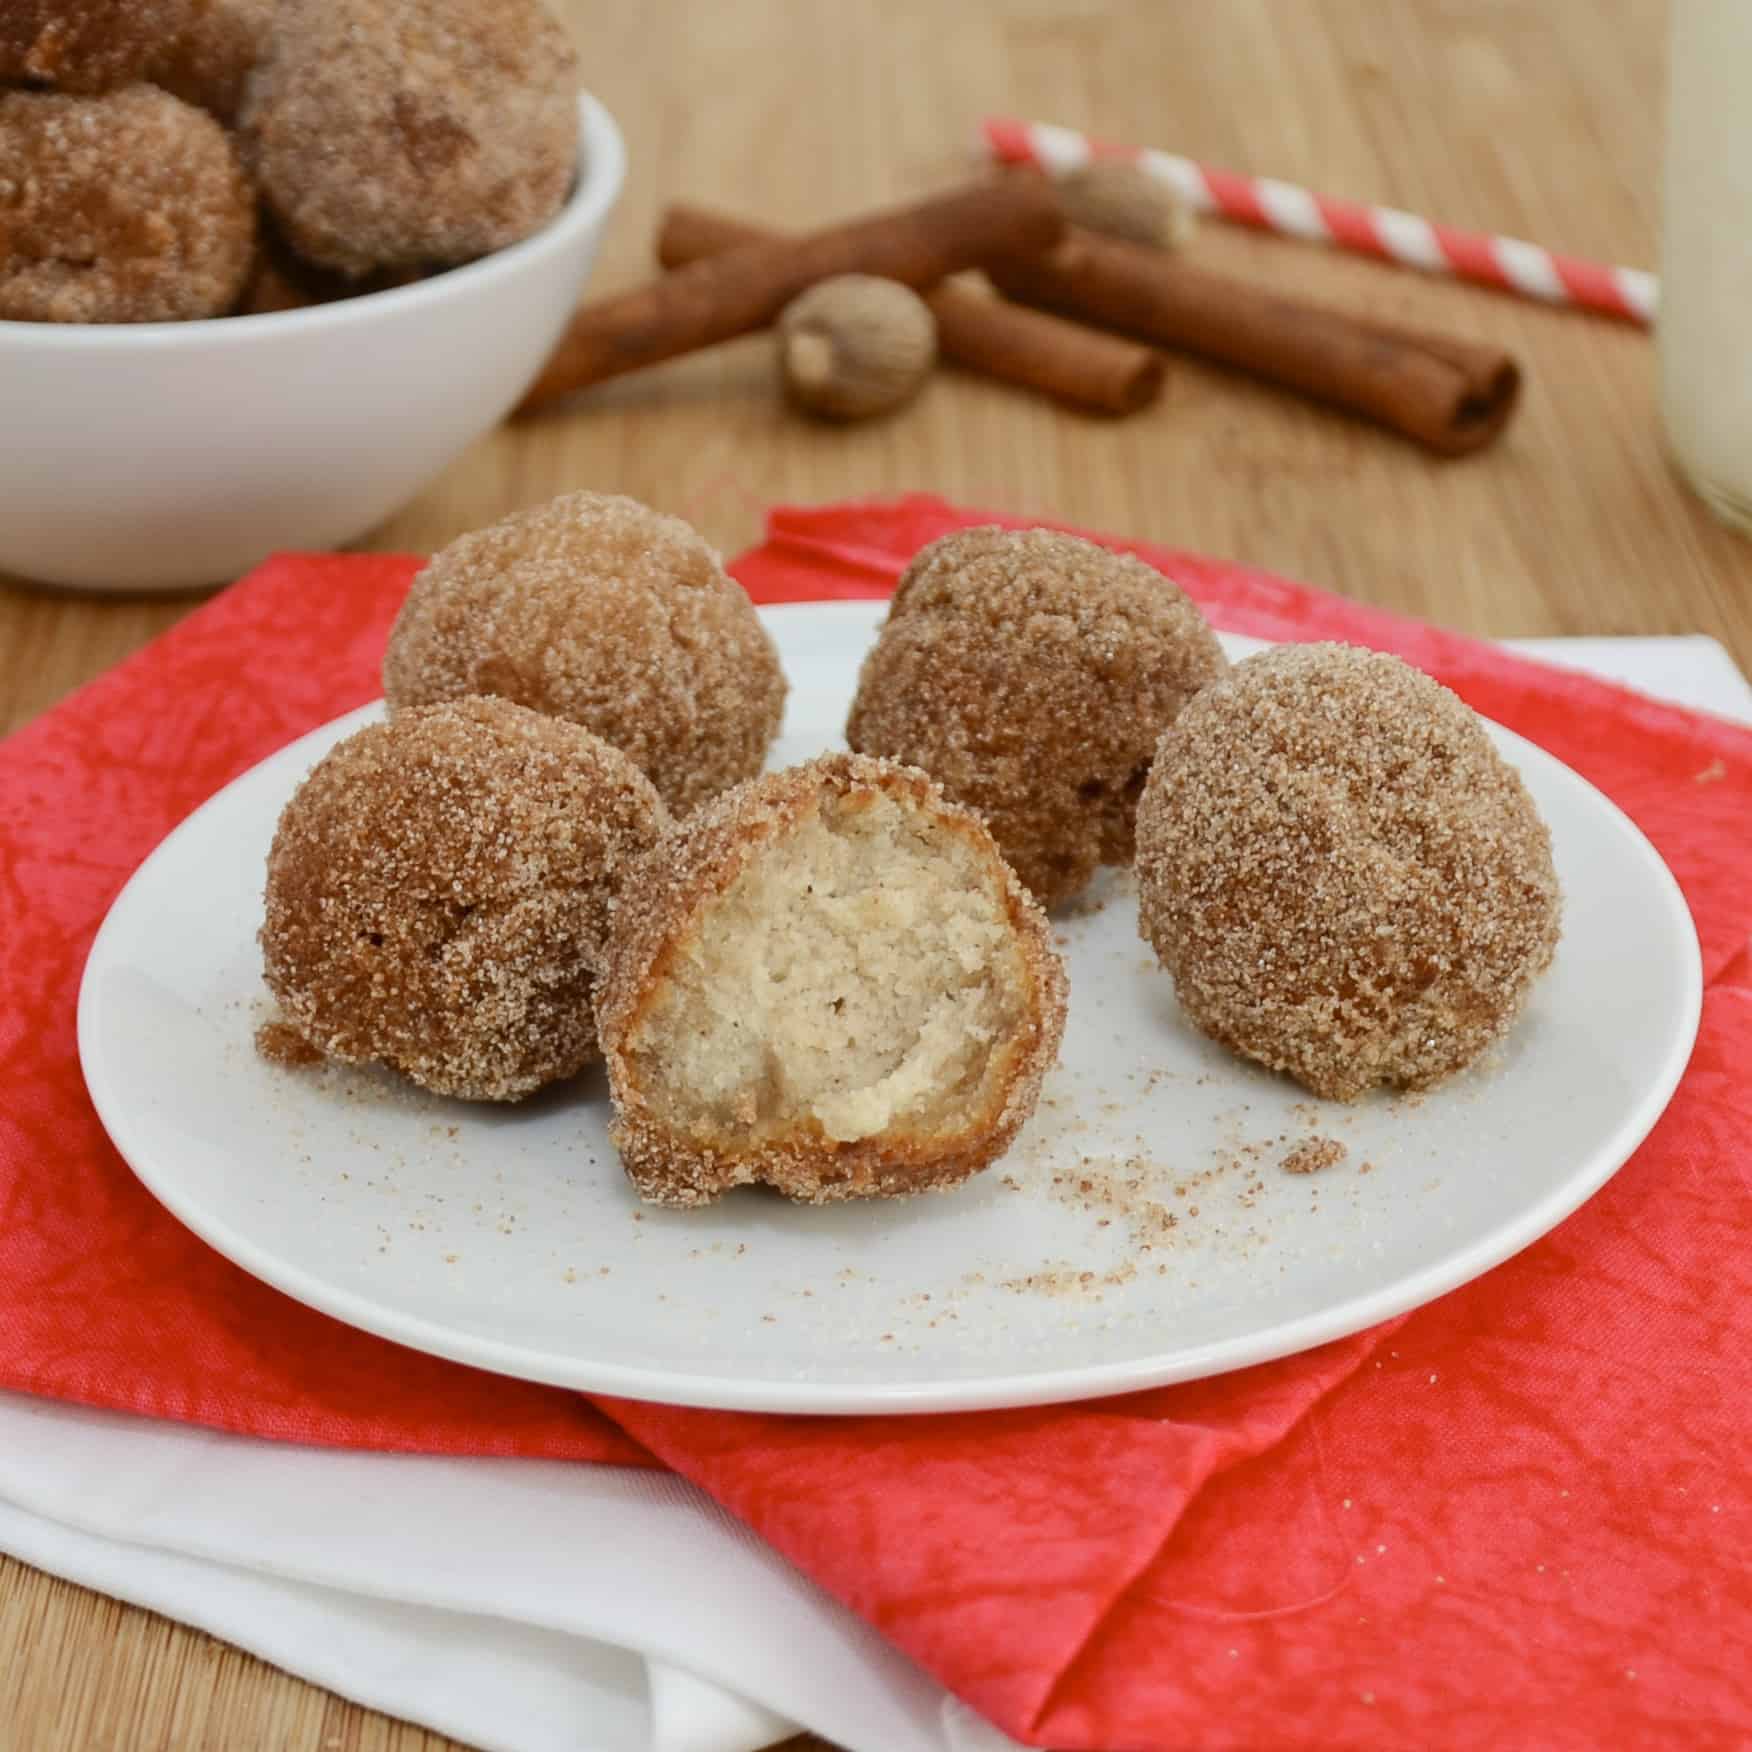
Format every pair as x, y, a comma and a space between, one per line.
1541, 120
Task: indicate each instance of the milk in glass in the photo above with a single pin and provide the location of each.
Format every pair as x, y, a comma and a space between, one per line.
1704, 326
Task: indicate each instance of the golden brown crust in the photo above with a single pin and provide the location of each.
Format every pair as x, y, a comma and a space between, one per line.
439, 889
402, 133
132, 207
596, 608
1344, 877
1030, 674
695, 863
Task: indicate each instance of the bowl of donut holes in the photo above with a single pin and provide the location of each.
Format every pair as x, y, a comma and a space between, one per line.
268, 266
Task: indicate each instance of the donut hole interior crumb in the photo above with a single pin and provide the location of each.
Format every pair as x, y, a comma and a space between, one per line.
852, 979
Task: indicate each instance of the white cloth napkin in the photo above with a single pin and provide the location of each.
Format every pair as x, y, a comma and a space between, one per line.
522, 1605
535, 1606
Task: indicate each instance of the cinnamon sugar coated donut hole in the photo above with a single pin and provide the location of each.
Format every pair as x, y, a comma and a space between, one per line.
401, 133
1031, 673
832, 985
209, 60
199, 50
85, 46
1344, 877
438, 893
596, 608
131, 207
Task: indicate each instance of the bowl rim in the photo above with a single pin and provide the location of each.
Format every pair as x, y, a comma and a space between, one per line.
602, 163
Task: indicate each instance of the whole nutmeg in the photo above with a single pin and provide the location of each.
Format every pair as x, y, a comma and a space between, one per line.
1117, 197
856, 345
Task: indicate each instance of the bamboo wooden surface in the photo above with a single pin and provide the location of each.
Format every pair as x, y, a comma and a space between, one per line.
1540, 120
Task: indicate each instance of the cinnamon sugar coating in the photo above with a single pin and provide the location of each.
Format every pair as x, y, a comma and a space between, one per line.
85, 46
209, 60
598, 609
199, 50
1344, 877
132, 207
280, 280
1031, 673
401, 133
833, 985
439, 889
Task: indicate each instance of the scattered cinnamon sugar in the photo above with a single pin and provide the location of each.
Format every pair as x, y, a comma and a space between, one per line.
132, 207
281, 1044
1069, 1281
1124, 1190
1314, 1154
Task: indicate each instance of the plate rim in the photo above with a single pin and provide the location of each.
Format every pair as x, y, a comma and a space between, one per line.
1342, 1319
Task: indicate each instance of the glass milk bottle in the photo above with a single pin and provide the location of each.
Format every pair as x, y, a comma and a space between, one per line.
1703, 330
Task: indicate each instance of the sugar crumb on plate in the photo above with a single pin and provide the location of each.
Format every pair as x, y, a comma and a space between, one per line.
1314, 1154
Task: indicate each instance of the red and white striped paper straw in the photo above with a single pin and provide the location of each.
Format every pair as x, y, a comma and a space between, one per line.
1505, 262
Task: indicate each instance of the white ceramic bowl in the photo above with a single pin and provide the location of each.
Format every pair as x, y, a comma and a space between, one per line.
143, 456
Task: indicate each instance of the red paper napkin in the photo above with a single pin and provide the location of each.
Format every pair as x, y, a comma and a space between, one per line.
1516, 1517
105, 1298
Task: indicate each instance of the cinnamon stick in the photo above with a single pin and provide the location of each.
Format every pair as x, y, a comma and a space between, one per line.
720, 297
1066, 360
1451, 395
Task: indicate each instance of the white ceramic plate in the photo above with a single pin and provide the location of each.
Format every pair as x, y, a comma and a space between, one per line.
508, 1237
